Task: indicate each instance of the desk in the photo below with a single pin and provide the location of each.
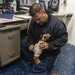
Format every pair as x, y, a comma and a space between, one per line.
64, 17
15, 21
63, 14
10, 39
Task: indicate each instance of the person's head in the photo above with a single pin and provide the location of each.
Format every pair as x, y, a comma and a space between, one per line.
38, 13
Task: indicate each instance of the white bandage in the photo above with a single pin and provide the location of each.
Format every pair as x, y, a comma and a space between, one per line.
37, 51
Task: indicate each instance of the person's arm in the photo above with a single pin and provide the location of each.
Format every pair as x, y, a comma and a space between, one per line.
61, 37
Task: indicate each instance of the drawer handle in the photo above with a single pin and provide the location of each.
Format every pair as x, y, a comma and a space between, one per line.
11, 37
12, 54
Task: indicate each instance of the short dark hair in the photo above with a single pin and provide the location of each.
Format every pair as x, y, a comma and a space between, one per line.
36, 7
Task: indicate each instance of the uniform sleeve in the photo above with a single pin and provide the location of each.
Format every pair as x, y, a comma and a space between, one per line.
61, 36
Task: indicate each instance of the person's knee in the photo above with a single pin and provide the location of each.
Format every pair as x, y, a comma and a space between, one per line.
23, 41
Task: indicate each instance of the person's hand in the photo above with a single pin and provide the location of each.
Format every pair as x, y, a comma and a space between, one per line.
43, 45
45, 37
31, 47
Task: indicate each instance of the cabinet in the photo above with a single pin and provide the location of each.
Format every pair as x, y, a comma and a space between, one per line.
9, 44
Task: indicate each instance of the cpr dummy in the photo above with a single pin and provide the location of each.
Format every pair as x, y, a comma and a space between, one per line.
37, 50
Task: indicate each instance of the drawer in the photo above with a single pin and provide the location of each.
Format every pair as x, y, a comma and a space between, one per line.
10, 51
9, 35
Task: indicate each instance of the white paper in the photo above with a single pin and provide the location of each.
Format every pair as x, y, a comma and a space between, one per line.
24, 16
26, 8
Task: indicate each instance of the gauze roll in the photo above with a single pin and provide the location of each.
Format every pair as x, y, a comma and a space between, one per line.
37, 51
